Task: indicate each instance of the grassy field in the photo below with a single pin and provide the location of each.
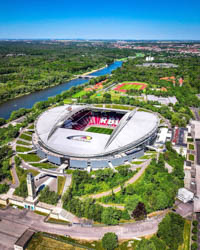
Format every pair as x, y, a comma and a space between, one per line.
67, 101
26, 137
145, 157
44, 165
79, 94
123, 59
131, 86
23, 143
116, 106
127, 85
28, 133
40, 242
98, 105
137, 162
61, 183
31, 126
99, 130
22, 149
186, 236
21, 173
30, 157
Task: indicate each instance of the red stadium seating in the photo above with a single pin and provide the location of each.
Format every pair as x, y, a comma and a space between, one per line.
85, 119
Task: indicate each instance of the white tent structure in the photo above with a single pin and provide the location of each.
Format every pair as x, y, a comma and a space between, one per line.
185, 195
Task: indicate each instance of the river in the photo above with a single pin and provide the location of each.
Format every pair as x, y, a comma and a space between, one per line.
28, 101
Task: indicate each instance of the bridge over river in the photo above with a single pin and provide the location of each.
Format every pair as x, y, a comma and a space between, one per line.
85, 76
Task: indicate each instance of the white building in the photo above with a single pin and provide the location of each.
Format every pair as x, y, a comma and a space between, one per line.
185, 195
162, 100
149, 58
163, 136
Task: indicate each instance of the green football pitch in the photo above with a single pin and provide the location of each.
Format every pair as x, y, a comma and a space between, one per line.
107, 131
131, 86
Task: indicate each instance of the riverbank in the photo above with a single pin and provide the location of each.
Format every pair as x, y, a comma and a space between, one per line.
27, 100
53, 85
94, 70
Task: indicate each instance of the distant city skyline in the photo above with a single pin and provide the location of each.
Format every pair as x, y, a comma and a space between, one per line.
143, 20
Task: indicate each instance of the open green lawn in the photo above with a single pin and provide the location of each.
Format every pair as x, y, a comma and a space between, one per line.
186, 236
107, 131
28, 133
23, 143
31, 126
67, 101
131, 86
41, 242
145, 157
116, 106
21, 173
45, 165
137, 162
30, 157
26, 137
98, 105
22, 149
123, 59
79, 94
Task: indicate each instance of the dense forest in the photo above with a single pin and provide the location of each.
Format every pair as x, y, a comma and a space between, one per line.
30, 66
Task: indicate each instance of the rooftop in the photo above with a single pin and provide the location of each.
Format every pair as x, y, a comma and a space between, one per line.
196, 125
131, 129
24, 238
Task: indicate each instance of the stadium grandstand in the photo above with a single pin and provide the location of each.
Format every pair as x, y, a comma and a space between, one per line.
86, 119
85, 136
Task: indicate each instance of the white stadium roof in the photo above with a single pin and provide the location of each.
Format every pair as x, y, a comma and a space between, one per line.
135, 126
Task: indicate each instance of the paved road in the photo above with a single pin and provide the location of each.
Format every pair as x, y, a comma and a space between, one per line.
130, 181
121, 207
15, 176
27, 218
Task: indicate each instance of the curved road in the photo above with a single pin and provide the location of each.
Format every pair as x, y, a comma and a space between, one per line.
28, 219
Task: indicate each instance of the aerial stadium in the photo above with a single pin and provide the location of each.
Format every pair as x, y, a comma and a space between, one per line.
84, 136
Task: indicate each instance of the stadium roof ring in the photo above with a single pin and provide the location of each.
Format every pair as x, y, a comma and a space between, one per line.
84, 132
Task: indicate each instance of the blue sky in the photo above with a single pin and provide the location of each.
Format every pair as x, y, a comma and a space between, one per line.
88, 19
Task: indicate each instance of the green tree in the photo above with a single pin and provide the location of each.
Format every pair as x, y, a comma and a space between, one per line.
170, 230
152, 244
110, 241
131, 202
48, 196
110, 216
4, 188
22, 189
